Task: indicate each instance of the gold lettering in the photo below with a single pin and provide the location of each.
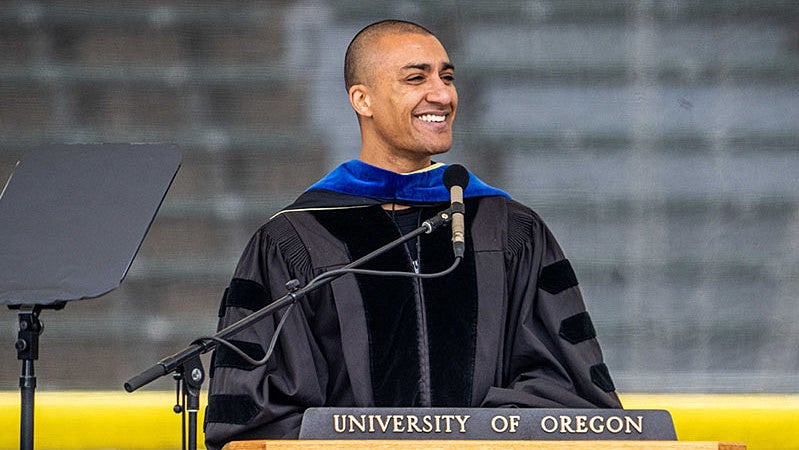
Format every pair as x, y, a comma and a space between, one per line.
339, 426
638, 425
398, 428
383, 424
448, 420
566, 424
428, 424
413, 426
609, 424
503, 426
549, 428
354, 423
462, 421
580, 424
514, 423
597, 429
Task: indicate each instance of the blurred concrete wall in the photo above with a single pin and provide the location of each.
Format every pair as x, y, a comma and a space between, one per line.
658, 139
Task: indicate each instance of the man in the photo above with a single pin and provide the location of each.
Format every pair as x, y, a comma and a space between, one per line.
507, 328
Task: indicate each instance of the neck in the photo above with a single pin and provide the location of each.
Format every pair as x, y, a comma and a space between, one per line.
395, 163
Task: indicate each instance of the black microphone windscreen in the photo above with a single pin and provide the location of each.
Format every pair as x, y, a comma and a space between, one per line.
456, 175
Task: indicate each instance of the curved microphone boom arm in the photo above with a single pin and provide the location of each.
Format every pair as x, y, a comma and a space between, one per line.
204, 345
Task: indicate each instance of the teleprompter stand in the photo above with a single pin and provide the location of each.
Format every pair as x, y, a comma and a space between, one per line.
27, 345
72, 218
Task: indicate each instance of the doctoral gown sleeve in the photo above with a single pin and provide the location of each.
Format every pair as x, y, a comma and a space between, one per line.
552, 357
247, 402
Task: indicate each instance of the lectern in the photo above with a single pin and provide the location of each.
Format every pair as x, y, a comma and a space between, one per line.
484, 428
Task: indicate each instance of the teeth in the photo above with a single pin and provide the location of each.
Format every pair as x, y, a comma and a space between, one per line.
432, 118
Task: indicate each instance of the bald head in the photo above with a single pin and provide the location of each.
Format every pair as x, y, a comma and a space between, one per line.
358, 53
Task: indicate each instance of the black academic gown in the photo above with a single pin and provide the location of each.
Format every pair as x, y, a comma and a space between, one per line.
508, 328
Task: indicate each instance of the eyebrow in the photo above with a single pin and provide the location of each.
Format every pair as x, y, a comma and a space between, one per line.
427, 67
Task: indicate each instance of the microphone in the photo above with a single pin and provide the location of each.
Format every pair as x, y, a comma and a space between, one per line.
456, 178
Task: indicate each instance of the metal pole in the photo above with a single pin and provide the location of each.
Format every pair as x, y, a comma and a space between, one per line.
27, 346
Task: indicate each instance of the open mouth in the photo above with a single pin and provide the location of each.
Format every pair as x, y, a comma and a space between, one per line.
432, 118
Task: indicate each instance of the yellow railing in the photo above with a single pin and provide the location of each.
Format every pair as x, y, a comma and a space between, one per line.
145, 421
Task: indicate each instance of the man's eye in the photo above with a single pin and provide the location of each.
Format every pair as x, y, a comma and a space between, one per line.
416, 78
448, 77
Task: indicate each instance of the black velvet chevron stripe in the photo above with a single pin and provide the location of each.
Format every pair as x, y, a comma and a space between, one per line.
577, 328
234, 409
600, 375
246, 294
557, 277
225, 357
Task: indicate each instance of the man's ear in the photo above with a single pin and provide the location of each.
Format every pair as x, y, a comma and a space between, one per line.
361, 100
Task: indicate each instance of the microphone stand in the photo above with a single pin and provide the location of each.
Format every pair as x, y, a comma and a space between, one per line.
186, 363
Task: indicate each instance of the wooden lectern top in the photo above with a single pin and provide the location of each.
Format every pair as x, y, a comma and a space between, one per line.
475, 445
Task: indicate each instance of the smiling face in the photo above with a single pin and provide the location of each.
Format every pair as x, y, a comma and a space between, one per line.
406, 101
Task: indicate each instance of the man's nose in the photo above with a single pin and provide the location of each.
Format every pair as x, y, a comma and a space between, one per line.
441, 92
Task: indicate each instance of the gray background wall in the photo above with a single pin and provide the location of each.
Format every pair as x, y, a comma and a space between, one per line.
658, 139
